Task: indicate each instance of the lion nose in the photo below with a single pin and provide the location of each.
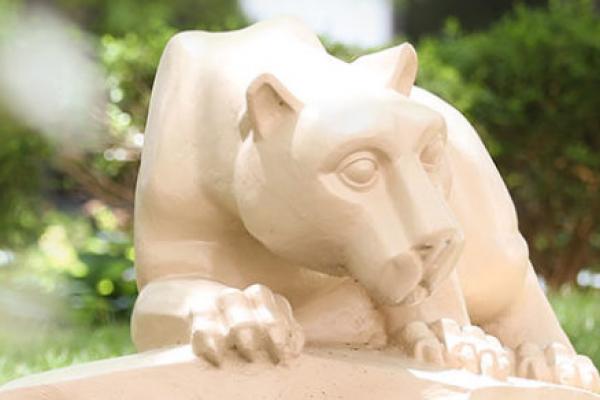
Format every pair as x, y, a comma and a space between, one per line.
438, 253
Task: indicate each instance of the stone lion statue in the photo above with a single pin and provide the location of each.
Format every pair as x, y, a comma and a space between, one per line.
288, 198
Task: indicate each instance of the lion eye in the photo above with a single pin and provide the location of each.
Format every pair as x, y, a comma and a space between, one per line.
359, 172
432, 154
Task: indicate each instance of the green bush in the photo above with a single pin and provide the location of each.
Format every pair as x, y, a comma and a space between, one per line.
23, 157
83, 264
60, 213
530, 85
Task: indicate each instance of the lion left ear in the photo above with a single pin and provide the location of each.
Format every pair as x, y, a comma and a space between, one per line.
270, 105
397, 65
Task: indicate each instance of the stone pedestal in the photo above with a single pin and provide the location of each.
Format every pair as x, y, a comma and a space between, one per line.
177, 374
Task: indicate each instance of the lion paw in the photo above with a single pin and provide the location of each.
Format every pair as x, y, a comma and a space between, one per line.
446, 344
251, 321
556, 364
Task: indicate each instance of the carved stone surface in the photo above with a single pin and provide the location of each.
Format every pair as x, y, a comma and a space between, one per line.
289, 201
178, 374
287, 197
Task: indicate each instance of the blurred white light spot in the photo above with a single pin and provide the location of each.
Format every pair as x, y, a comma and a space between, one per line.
128, 275
596, 281
6, 257
116, 95
49, 80
589, 324
584, 278
587, 278
542, 283
108, 155
366, 23
120, 154
124, 119
138, 140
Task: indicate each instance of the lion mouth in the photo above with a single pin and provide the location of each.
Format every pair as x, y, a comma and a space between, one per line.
416, 296
440, 261
396, 278
410, 278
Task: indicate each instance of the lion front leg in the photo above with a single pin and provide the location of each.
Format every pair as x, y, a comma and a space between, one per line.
542, 350
216, 320
439, 332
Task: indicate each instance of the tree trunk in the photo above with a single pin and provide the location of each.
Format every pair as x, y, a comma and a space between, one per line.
568, 266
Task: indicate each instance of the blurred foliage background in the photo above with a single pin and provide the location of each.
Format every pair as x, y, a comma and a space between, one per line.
525, 74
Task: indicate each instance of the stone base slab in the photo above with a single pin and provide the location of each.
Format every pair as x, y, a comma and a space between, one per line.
176, 374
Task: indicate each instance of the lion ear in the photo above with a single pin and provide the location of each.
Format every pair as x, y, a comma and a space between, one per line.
270, 105
397, 65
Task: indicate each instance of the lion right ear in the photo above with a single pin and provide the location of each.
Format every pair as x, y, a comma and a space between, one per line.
397, 66
270, 105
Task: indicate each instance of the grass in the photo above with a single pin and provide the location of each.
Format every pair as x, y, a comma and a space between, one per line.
578, 311
579, 315
60, 348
